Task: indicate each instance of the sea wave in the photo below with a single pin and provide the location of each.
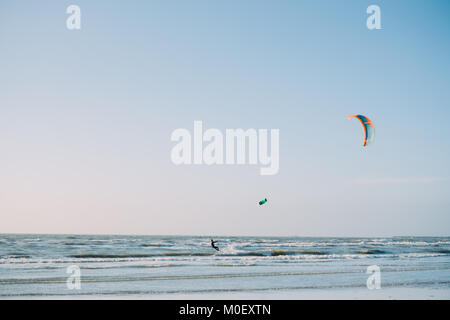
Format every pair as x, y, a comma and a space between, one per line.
296, 252
370, 251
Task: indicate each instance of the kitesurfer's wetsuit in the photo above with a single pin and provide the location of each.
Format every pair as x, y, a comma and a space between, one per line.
213, 244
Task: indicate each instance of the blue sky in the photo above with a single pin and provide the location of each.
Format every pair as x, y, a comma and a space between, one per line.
86, 117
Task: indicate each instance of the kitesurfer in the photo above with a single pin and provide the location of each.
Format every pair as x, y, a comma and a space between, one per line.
213, 244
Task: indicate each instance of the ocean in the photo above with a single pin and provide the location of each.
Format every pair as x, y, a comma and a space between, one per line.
187, 267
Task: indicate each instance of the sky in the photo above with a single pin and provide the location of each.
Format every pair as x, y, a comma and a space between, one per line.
86, 117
